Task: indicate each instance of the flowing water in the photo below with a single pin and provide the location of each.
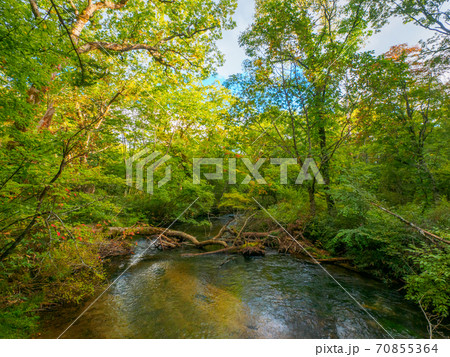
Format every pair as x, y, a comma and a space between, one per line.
164, 295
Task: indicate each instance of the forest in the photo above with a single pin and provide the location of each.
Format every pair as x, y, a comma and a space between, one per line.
323, 150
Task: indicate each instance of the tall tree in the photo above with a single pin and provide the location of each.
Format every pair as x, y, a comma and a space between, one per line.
409, 101
302, 50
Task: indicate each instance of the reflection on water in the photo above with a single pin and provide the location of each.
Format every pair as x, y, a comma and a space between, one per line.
168, 296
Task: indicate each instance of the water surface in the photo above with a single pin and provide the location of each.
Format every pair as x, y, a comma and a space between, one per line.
164, 295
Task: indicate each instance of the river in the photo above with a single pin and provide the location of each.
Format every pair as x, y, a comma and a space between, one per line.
164, 295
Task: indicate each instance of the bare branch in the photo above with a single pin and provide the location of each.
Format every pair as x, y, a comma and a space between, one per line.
70, 37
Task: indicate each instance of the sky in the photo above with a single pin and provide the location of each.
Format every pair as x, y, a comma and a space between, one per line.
392, 34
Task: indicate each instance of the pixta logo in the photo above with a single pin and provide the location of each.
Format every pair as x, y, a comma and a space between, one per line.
140, 163
253, 169
144, 157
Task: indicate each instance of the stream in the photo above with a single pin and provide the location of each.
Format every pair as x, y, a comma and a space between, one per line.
164, 295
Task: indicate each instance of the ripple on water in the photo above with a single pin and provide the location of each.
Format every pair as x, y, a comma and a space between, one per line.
166, 296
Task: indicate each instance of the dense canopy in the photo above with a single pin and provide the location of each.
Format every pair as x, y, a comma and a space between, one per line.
86, 84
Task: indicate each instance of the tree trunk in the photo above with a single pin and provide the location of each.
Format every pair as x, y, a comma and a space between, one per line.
312, 199
35, 9
325, 171
424, 171
115, 231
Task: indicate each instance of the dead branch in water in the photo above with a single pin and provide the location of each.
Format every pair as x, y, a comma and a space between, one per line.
224, 250
170, 239
223, 230
334, 260
260, 234
243, 226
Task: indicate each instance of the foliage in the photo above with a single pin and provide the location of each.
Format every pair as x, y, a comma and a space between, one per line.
87, 85
431, 287
18, 321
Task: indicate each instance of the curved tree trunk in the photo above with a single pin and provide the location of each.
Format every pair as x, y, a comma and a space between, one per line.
148, 230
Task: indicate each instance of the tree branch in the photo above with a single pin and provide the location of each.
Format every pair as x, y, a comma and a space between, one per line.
35, 9
70, 38
89, 11
423, 232
98, 45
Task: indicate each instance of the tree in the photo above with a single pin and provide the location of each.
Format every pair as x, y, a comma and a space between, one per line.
430, 14
409, 102
301, 52
66, 68
433, 15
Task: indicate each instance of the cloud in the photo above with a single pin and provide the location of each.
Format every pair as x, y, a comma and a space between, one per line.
396, 33
229, 46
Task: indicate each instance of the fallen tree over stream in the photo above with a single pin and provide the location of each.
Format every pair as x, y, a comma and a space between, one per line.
234, 241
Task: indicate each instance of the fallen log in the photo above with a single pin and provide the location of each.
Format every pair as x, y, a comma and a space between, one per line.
422, 231
246, 250
211, 242
334, 260
251, 251
149, 230
228, 250
259, 234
